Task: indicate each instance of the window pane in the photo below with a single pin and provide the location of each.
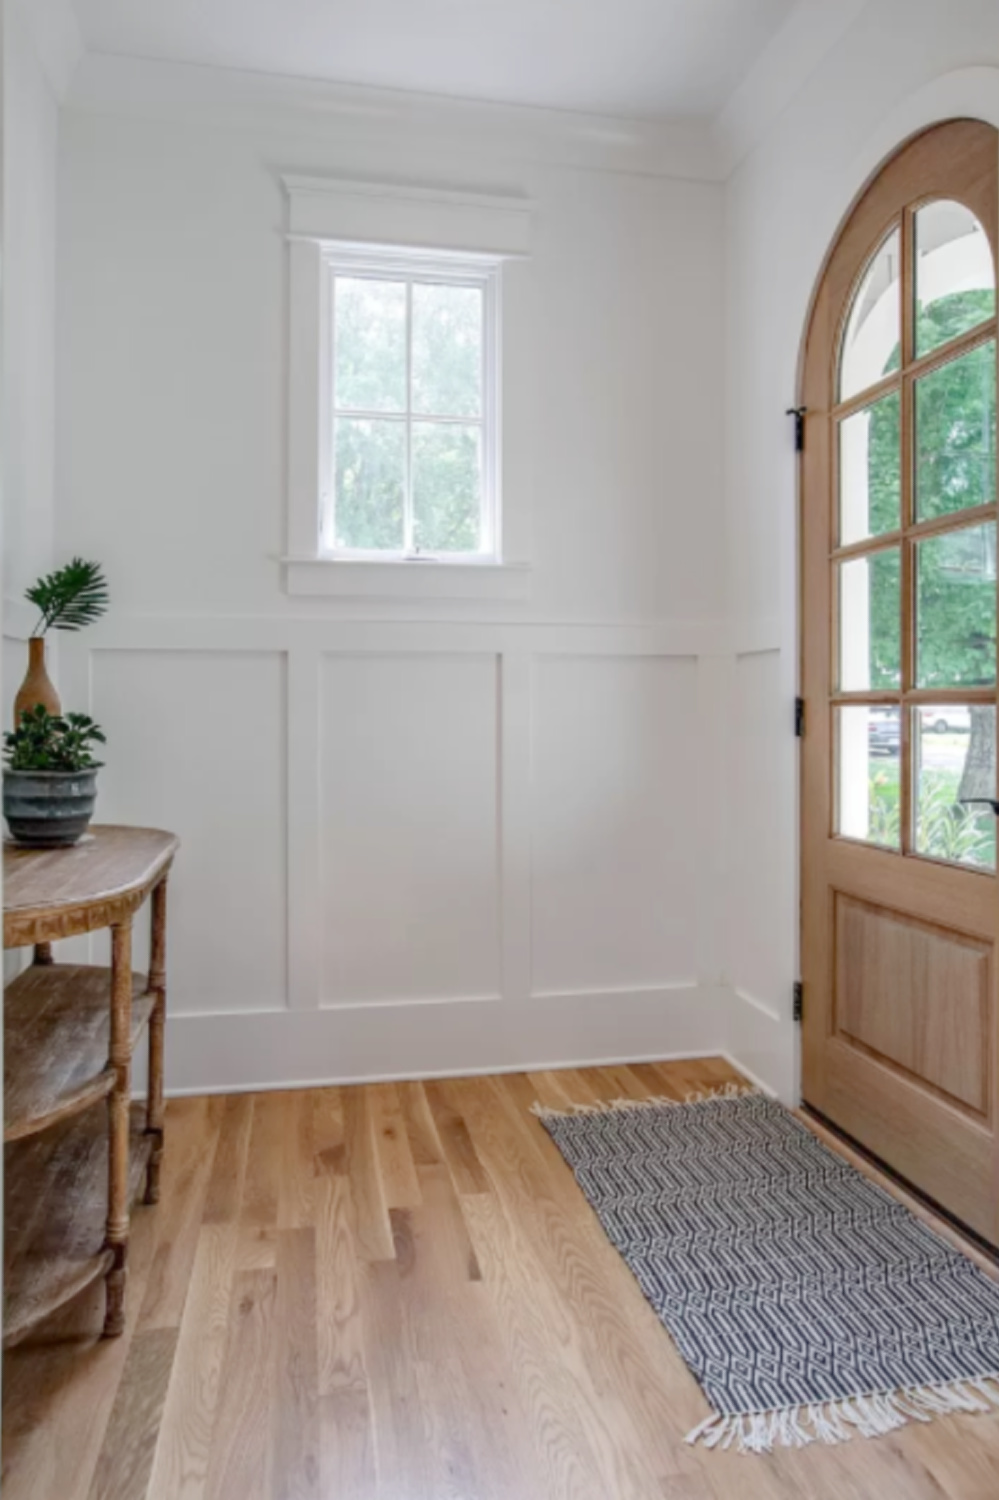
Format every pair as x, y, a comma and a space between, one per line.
369, 345
956, 435
868, 742
870, 621
870, 479
873, 330
447, 350
447, 487
956, 608
955, 281
955, 761
370, 483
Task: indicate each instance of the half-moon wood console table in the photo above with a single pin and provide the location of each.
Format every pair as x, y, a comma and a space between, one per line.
72, 1170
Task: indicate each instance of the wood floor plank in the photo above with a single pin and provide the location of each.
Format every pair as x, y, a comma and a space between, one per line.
476, 1435
126, 1458
240, 1462
347, 1446
401, 1458
568, 1429
395, 1159
180, 1467
296, 1192
623, 1346
424, 1142
373, 1232
330, 1158
296, 1438
193, 1127
225, 1185
339, 1334
459, 1152
259, 1208
398, 1292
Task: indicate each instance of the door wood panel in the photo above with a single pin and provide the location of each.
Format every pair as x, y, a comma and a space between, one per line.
899, 1038
914, 995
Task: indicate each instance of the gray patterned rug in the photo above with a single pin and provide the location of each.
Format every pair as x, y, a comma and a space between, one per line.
809, 1304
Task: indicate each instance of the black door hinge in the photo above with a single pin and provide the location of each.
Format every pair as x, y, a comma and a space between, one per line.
799, 1001
798, 413
799, 718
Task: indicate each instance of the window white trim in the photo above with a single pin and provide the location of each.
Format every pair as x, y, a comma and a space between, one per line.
381, 213
408, 580
335, 223
479, 271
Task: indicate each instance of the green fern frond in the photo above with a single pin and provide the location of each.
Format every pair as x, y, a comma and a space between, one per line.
70, 598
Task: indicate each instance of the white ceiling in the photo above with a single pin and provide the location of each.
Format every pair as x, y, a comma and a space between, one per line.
632, 57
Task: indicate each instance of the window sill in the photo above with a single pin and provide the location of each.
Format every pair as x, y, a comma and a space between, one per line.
407, 580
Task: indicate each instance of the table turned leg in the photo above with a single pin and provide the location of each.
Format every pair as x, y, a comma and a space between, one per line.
119, 1102
43, 953
157, 1024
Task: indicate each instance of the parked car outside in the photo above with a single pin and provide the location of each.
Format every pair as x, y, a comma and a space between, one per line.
883, 732
884, 735
946, 719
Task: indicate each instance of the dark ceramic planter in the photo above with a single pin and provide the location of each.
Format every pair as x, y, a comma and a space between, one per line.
48, 809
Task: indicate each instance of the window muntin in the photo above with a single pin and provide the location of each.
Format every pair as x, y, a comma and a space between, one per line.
913, 558
409, 423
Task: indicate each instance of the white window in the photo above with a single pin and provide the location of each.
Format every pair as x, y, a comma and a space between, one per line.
395, 328
410, 408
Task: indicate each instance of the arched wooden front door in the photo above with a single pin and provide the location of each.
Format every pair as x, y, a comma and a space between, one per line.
900, 899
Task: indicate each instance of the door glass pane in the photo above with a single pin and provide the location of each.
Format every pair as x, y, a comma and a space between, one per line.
954, 758
870, 479
955, 280
870, 610
873, 329
956, 608
447, 350
956, 435
369, 344
370, 483
447, 487
868, 743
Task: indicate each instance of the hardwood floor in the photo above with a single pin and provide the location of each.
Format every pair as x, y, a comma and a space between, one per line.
396, 1292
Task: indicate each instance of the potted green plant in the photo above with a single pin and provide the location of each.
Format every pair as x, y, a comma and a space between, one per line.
50, 778
71, 597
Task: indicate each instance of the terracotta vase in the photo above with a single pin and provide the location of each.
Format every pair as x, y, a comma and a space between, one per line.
37, 686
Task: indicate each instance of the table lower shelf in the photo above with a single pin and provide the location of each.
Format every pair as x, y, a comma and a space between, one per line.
56, 1042
55, 1208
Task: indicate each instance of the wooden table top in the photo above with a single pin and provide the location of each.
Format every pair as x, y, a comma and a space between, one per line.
54, 893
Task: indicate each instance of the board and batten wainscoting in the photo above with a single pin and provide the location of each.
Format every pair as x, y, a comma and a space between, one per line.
427, 848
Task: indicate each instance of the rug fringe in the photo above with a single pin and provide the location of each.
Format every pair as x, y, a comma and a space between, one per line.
620, 1106
838, 1421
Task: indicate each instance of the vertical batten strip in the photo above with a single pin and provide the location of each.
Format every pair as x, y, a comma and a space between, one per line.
303, 873
514, 778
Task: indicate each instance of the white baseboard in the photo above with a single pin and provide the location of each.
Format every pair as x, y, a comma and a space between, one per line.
762, 1044
303, 1049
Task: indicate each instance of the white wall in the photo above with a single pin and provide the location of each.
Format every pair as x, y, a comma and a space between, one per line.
415, 838
30, 137
890, 75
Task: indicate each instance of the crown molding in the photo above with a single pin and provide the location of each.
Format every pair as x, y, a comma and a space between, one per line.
57, 39
188, 94
811, 30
